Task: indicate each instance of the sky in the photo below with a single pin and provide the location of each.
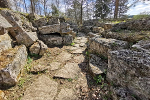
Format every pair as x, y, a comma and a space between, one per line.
140, 7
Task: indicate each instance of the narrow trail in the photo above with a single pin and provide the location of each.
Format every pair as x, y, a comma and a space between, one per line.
64, 79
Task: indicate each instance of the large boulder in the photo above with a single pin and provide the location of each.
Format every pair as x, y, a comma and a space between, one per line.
143, 45
35, 48
38, 48
55, 28
97, 65
56, 40
40, 22
27, 38
19, 22
4, 25
98, 29
141, 24
5, 42
51, 40
43, 47
67, 39
12, 62
127, 35
131, 70
53, 20
101, 46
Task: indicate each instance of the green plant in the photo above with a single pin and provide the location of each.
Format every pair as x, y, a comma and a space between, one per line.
72, 43
21, 82
87, 53
98, 79
69, 80
33, 55
28, 65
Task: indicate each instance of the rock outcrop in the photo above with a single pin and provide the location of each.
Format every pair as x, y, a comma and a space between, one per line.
101, 46
142, 24
27, 38
5, 42
97, 65
131, 70
12, 62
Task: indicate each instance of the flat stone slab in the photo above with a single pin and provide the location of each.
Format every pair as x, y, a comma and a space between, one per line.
64, 56
70, 70
78, 51
54, 65
76, 45
39, 68
97, 65
66, 94
79, 59
42, 89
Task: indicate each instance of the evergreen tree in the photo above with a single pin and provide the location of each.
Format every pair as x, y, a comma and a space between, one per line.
102, 8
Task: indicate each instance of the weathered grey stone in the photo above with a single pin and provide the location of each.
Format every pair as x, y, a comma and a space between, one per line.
130, 69
43, 47
119, 93
97, 65
90, 34
67, 94
64, 26
53, 20
66, 32
33, 16
12, 62
55, 28
27, 38
127, 35
143, 45
85, 29
141, 24
73, 34
4, 25
102, 45
51, 40
5, 45
18, 21
35, 48
40, 22
67, 39
98, 29
54, 65
42, 89
5, 42
70, 70
39, 68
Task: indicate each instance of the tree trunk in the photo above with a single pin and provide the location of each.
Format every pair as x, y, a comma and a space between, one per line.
116, 9
81, 12
32, 6
4, 4
25, 6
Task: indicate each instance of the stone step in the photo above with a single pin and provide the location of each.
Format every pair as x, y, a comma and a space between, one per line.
12, 62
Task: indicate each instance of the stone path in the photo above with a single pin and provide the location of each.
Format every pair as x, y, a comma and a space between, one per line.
65, 68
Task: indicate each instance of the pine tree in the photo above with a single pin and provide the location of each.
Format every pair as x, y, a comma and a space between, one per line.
102, 8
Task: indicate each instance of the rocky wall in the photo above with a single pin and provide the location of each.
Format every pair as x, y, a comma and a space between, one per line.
130, 70
101, 46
